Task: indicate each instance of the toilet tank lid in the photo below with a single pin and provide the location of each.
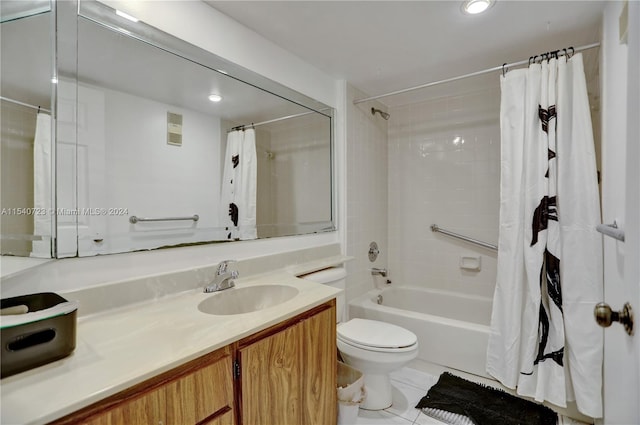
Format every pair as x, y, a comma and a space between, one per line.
373, 333
332, 274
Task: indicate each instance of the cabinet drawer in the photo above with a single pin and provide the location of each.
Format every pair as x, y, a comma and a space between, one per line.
199, 395
226, 419
149, 408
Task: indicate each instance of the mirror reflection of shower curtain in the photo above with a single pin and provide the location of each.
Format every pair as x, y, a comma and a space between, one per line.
42, 187
239, 186
543, 338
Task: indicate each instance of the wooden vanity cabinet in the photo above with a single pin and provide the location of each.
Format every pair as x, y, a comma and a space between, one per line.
199, 392
288, 372
283, 375
145, 409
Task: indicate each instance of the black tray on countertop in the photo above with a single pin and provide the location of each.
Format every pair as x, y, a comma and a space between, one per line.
36, 342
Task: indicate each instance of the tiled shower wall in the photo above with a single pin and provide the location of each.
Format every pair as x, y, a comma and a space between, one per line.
366, 192
444, 169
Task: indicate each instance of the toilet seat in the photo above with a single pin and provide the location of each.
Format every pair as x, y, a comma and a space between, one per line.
373, 335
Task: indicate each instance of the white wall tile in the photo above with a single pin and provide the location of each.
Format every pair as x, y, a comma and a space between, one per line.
367, 196
435, 177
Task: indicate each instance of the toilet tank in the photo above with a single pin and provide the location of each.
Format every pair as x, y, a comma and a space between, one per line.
335, 277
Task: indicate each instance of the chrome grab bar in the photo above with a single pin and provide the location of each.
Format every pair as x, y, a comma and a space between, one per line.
134, 219
435, 228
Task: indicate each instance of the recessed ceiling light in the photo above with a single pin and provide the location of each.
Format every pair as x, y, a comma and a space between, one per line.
215, 97
126, 16
473, 7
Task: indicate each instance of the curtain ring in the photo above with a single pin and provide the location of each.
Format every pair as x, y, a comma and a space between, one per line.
565, 54
573, 51
530, 58
504, 71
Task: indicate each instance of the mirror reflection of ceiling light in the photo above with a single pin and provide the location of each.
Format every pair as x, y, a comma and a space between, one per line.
458, 141
215, 97
126, 16
473, 7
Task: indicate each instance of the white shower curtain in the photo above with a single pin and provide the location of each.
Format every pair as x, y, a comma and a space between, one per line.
42, 187
544, 340
239, 186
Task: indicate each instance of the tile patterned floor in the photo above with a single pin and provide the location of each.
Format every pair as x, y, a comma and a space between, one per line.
409, 386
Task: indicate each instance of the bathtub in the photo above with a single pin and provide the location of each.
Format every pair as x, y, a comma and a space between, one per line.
452, 328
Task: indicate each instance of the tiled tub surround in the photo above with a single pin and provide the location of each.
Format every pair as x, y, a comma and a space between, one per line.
366, 202
120, 347
444, 168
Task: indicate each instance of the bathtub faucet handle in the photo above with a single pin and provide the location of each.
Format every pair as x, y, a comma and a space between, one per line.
378, 272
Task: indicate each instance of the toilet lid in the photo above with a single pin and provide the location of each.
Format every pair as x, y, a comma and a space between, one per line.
372, 333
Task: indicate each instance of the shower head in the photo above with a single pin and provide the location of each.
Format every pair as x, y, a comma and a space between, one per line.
383, 114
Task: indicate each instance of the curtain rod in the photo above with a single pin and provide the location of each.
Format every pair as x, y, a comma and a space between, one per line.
17, 102
242, 127
473, 74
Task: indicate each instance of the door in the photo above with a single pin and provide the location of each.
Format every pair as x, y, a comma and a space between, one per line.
621, 201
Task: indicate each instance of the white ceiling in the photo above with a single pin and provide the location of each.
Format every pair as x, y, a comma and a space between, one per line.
383, 46
108, 59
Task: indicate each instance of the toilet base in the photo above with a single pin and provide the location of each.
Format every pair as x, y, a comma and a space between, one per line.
378, 392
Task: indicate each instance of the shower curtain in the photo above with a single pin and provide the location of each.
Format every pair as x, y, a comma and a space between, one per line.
42, 187
239, 186
544, 340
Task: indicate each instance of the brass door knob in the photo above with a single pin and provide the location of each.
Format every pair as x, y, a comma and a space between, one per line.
605, 316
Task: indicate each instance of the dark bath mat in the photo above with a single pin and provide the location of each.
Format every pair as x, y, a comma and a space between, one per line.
476, 404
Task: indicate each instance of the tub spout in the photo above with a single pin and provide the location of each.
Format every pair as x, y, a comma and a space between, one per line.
378, 272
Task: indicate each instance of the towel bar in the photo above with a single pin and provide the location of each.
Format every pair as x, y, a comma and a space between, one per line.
435, 228
134, 219
611, 230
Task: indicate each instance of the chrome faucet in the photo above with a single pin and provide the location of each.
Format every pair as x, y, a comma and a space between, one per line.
381, 272
223, 278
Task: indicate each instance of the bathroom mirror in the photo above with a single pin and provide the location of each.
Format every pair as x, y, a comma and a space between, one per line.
149, 145
27, 70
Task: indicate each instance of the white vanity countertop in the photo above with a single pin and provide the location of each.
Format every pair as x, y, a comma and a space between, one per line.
123, 347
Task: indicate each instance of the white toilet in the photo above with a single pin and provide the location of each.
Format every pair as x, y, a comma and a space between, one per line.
373, 347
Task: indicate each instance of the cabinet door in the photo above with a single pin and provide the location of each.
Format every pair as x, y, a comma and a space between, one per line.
148, 409
203, 395
320, 369
271, 381
289, 377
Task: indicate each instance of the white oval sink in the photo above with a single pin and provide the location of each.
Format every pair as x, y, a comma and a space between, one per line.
247, 299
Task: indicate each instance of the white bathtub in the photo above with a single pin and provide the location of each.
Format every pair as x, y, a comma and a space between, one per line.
452, 329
